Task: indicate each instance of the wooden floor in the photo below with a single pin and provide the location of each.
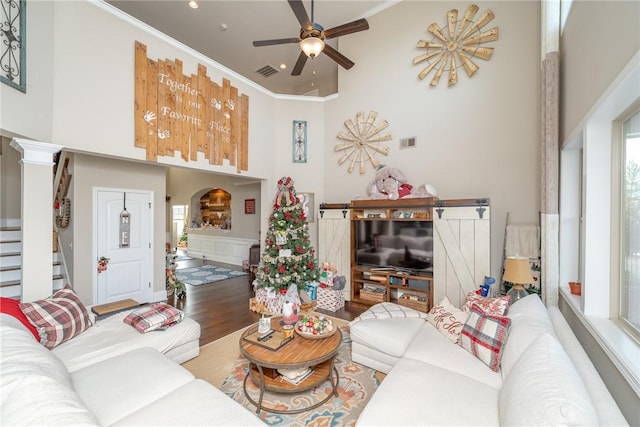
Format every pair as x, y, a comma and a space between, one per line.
223, 307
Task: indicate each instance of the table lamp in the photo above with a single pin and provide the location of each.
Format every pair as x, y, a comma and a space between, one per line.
518, 272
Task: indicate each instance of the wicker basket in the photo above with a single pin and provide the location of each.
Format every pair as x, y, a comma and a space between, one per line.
415, 304
372, 296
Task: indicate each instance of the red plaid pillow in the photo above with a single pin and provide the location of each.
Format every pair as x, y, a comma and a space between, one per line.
153, 317
484, 336
59, 318
493, 306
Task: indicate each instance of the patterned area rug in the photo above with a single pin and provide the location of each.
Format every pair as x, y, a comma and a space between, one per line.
205, 274
357, 385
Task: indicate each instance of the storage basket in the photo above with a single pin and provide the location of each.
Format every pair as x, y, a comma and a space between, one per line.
414, 304
372, 296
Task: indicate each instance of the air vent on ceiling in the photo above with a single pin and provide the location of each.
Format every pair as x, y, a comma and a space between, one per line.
408, 142
266, 71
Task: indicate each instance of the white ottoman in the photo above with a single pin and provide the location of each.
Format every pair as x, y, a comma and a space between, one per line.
382, 334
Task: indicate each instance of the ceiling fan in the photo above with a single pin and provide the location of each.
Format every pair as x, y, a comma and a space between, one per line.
313, 35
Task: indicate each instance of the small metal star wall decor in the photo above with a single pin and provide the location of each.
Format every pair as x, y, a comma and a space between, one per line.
456, 45
361, 141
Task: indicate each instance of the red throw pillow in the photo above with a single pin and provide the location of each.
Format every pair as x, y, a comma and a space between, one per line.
11, 307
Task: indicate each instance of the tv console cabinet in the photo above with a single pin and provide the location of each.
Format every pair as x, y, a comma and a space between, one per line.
460, 256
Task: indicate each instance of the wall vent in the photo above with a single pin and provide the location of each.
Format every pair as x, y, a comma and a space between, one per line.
266, 70
408, 142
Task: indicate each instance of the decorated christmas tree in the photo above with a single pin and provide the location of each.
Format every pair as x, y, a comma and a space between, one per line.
288, 256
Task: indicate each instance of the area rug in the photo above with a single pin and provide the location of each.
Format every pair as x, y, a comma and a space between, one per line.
357, 385
202, 275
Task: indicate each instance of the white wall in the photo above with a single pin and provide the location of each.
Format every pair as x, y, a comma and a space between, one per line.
184, 183
479, 138
37, 101
92, 171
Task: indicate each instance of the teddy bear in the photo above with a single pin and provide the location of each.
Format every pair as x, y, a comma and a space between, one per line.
391, 183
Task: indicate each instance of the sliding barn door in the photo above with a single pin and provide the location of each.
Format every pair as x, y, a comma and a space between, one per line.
334, 243
461, 251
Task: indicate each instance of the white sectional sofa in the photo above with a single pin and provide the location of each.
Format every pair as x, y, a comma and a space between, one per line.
545, 376
110, 374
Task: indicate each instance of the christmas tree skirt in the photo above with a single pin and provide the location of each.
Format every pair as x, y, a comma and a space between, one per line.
205, 274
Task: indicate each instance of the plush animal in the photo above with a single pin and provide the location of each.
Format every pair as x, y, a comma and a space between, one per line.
391, 183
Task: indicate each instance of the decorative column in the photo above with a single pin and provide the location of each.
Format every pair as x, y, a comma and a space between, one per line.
37, 217
550, 152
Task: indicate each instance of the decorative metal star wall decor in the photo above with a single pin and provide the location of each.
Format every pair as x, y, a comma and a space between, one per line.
362, 141
456, 45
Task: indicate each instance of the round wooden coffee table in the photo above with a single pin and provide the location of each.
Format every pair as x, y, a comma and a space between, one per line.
300, 352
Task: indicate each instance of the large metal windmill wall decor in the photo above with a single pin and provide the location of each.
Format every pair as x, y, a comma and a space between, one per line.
456, 45
361, 141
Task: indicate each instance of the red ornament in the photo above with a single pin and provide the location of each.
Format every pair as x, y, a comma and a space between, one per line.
310, 265
295, 266
283, 291
281, 269
299, 249
288, 215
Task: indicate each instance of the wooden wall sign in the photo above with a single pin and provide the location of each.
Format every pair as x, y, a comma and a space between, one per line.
189, 114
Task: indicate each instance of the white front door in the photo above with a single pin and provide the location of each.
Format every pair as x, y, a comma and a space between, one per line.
130, 269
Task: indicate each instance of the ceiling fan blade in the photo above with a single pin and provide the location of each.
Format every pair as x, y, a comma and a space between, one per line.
297, 69
259, 43
301, 14
348, 28
337, 56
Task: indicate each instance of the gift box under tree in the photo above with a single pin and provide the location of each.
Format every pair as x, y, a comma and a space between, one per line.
330, 299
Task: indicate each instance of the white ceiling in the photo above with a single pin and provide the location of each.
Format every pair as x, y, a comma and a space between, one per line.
246, 21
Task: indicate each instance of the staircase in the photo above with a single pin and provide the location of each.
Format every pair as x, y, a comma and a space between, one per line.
11, 261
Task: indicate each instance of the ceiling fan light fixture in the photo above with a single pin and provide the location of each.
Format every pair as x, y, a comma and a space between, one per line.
312, 46
193, 4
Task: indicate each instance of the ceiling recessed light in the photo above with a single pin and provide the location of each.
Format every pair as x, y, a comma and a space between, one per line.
193, 4
283, 66
223, 27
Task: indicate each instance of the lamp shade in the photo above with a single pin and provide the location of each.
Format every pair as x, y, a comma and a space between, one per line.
312, 46
517, 270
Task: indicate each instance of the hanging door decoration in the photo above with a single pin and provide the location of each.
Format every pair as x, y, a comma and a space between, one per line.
125, 225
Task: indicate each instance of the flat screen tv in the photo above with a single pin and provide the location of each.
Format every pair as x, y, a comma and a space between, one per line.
396, 245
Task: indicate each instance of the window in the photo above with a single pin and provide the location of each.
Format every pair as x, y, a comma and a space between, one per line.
630, 224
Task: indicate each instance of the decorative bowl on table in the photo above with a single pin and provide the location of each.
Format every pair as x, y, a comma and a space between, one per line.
315, 327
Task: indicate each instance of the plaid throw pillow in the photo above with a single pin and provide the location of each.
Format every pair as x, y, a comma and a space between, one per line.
58, 318
153, 317
484, 336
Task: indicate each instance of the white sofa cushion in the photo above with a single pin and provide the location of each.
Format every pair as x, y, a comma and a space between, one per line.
544, 388
111, 337
430, 346
388, 310
117, 387
391, 336
197, 403
419, 394
35, 388
529, 319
